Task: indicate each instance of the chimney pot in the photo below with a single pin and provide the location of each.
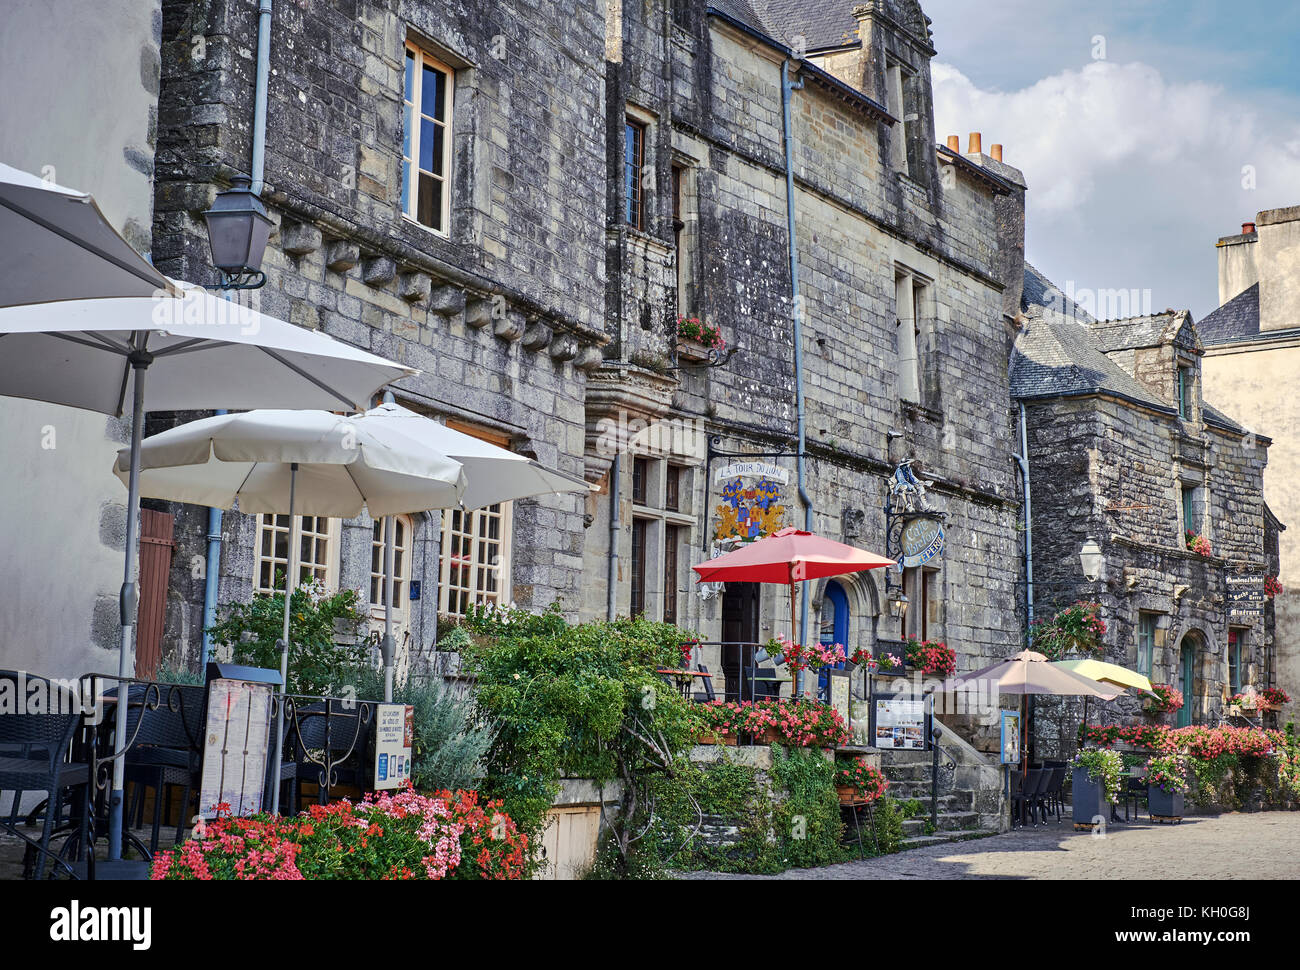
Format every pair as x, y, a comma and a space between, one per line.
996, 152
1247, 228
954, 143
976, 144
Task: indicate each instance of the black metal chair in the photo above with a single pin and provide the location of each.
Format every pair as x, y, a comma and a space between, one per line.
1017, 797
36, 758
1053, 798
165, 729
1135, 791
1026, 798
708, 695
327, 734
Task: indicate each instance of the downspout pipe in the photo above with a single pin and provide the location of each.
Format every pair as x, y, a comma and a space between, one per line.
213, 564
796, 312
615, 526
1022, 460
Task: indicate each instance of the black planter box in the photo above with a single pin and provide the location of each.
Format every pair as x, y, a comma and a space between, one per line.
1164, 804
1088, 798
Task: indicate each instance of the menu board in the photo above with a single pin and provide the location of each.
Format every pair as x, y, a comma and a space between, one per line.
839, 687
235, 745
898, 722
394, 739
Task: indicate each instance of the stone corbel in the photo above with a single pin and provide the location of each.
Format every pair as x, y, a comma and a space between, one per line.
378, 270
478, 313
448, 301
414, 287
342, 255
564, 348
300, 238
510, 327
537, 334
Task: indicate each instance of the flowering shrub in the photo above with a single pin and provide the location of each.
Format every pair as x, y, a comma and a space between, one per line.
869, 783
1141, 736
688, 651
446, 835
1076, 629
1272, 587
931, 657
1274, 696
692, 328
800, 724
891, 661
1248, 700
1168, 699
1103, 767
862, 656
1196, 741
1168, 773
1198, 543
812, 657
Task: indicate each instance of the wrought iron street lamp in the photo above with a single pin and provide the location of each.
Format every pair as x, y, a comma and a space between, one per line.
238, 228
1090, 558
898, 603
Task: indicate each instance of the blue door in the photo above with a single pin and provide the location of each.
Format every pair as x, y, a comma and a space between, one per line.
835, 624
1187, 663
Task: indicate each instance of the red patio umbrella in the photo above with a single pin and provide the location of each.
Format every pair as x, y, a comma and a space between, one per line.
788, 557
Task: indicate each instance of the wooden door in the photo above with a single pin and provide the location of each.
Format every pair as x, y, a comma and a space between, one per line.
740, 605
155, 564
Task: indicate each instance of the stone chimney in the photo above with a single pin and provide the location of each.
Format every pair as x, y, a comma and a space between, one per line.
1237, 263
1277, 259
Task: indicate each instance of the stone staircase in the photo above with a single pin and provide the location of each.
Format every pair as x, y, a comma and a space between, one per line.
965, 809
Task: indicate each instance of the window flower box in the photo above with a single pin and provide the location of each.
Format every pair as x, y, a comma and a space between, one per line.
692, 350
719, 739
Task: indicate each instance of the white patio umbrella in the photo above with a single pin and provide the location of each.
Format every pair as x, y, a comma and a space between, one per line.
59, 246
295, 462
492, 474
198, 352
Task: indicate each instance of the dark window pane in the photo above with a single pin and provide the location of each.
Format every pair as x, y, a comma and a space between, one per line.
671, 534
430, 209
431, 92
640, 475
427, 144
638, 566
410, 76
672, 490
438, 165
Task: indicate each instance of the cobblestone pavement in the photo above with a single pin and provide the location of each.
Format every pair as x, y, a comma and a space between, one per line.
1264, 845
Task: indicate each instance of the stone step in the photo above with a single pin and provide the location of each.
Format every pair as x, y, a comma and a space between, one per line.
961, 801
916, 772
946, 822
940, 838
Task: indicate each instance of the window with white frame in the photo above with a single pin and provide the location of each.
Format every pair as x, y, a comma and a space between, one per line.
661, 529
401, 563
426, 139
910, 296
475, 559
305, 546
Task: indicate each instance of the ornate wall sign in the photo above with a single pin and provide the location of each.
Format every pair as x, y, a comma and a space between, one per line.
751, 504
1246, 597
922, 540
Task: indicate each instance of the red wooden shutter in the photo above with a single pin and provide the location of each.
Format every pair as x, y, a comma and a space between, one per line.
155, 564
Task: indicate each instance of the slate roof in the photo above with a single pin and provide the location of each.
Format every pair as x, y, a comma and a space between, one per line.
1056, 356
1238, 319
1152, 330
822, 23
1042, 294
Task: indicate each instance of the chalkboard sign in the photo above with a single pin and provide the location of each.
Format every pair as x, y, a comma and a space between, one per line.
1246, 597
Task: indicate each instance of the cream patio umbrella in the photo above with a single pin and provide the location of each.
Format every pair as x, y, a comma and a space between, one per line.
1030, 672
300, 463
196, 351
1105, 673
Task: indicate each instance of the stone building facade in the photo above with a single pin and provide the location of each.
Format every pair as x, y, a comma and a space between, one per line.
901, 248
479, 261
1125, 449
1252, 368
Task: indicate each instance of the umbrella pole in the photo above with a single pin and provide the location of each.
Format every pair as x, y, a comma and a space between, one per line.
386, 648
794, 638
289, 584
128, 603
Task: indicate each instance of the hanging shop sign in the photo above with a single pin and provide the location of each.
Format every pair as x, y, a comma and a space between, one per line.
236, 739
898, 722
394, 739
1246, 597
751, 506
922, 540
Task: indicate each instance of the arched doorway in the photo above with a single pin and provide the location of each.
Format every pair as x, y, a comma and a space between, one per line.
1187, 659
834, 625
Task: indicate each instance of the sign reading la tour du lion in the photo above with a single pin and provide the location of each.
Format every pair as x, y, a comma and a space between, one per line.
751, 504
921, 541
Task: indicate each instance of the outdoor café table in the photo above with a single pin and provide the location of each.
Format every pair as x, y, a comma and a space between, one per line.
683, 678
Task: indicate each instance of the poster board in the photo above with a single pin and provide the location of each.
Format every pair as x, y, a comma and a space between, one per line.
236, 740
1010, 743
394, 739
899, 722
839, 689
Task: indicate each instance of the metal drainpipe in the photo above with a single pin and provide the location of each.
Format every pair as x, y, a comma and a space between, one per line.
258, 173
788, 86
615, 497
1022, 460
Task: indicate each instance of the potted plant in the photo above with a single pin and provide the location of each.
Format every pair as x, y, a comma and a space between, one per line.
1076, 630
931, 657
1272, 698
1167, 699
696, 340
858, 783
1166, 786
1094, 785
717, 723
1198, 543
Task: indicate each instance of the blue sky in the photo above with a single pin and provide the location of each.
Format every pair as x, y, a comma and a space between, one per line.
1146, 130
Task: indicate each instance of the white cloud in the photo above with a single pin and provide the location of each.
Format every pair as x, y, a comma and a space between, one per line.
1132, 178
